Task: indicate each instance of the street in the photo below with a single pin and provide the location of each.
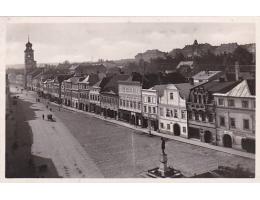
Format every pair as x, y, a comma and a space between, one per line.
82, 146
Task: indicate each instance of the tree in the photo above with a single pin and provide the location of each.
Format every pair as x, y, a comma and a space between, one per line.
242, 56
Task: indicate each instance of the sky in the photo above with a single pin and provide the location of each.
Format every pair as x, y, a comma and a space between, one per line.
78, 42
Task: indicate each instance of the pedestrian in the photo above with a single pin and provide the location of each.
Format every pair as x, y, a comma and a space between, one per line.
43, 116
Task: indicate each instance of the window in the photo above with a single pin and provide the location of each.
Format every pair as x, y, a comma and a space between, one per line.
183, 114
175, 113
134, 105
171, 96
127, 103
190, 115
124, 103
167, 113
210, 117
244, 104
145, 109
254, 104
199, 98
139, 105
232, 123
149, 109
168, 126
161, 111
196, 116
195, 98
204, 99
222, 121
154, 110
161, 125
149, 99
221, 102
246, 124
203, 117
231, 102
131, 104
184, 129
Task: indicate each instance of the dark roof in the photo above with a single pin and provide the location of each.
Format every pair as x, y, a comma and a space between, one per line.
93, 78
218, 86
184, 89
112, 84
251, 86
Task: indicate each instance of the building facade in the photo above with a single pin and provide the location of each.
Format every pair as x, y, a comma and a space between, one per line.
172, 110
202, 111
109, 98
235, 115
94, 98
130, 100
150, 109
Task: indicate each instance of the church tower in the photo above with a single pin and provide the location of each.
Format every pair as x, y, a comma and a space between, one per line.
29, 62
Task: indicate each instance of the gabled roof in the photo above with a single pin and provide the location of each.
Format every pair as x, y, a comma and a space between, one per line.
219, 86
246, 88
183, 88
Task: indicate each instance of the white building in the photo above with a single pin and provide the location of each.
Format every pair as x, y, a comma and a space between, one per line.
172, 108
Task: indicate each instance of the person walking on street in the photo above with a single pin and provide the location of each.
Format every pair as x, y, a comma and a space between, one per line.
43, 116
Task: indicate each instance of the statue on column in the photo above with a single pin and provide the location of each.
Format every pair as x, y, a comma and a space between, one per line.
163, 146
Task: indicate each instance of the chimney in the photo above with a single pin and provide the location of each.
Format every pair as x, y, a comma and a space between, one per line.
237, 70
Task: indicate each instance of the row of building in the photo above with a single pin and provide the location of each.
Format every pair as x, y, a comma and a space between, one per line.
216, 111
213, 108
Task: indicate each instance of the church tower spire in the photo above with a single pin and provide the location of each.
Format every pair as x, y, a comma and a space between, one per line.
29, 62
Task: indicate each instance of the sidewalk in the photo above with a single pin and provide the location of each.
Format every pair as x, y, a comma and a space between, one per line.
180, 139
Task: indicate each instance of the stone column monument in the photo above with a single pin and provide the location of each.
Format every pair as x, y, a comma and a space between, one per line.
163, 168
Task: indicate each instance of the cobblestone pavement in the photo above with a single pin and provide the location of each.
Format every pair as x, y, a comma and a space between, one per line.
122, 152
